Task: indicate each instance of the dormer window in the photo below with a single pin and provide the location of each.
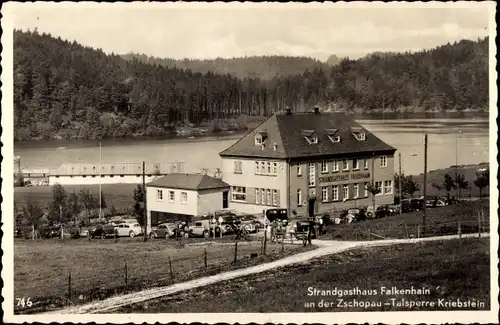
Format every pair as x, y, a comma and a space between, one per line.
333, 135
310, 136
260, 138
359, 133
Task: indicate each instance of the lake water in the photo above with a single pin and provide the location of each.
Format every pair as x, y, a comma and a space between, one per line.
464, 140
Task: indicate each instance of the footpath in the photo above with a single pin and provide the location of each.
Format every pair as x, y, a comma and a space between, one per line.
325, 247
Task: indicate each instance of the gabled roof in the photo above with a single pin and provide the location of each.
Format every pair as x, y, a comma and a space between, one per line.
287, 131
194, 182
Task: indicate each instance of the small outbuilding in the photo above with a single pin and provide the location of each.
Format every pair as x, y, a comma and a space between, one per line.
180, 196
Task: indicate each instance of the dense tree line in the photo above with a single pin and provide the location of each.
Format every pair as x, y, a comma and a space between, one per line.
63, 89
262, 67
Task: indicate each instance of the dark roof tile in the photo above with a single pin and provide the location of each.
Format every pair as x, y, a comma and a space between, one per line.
287, 131
194, 182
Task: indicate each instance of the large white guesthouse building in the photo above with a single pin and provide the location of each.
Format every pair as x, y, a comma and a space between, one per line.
307, 162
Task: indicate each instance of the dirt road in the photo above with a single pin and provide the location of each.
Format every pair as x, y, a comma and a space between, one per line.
325, 247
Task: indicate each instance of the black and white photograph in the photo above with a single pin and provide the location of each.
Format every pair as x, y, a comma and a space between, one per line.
249, 162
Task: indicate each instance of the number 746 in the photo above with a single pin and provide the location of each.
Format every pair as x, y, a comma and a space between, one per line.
24, 302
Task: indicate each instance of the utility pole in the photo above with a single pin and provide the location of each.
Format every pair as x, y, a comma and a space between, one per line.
425, 182
400, 187
145, 200
61, 220
100, 180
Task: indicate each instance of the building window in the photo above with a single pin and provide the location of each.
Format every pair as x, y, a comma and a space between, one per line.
355, 163
57, 176
366, 163
262, 168
257, 195
237, 167
257, 168
314, 139
366, 189
159, 195
93, 176
171, 196
184, 197
388, 187
378, 185
299, 170
239, 193
275, 168
356, 191
111, 175
299, 197
335, 193
383, 161
268, 168
346, 192
122, 175
275, 197
269, 198
263, 196
324, 166
345, 164
84, 176
335, 165
103, 175
324, 194
258, 140
312, 175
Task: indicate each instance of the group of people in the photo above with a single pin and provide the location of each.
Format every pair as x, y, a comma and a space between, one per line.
278, 228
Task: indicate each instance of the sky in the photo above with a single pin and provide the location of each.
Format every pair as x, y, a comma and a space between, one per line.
208, 31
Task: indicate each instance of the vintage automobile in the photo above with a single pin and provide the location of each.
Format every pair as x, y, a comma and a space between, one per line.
103, 231
163, 230
201, 228
48, 231
277, 214
128, 229
251, 223
300, 227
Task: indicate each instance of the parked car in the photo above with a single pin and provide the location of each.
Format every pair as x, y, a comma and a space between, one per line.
251, 223
417, 204
300, 226
436, 203
48, 231
394, 209
380, 212
277, 214
357, 214
103, 231
201, 228
164, 230
128, 229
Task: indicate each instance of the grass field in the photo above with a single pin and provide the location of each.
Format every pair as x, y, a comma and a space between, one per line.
100, 268
439, 221
437, 176
449, 269
118, 195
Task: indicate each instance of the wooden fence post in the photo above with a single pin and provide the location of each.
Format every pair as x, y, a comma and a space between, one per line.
265, 241
235, 251
126, 275
283, 242
69, 286
418, 231
406, 231
369, 235
205, 257
479, 224
170, 266
459, 230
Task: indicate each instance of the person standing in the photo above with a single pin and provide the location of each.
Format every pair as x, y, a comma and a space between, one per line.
320, 221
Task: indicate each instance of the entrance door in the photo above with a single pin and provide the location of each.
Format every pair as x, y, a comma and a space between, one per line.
225, 195
310, 206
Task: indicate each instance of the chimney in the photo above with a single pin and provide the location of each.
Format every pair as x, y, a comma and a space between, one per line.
288, 111
316, 110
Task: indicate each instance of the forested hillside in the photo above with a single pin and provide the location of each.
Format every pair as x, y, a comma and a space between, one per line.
262, 67
65, 90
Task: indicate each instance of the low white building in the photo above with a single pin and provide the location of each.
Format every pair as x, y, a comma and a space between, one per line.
180, 196
119, 173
